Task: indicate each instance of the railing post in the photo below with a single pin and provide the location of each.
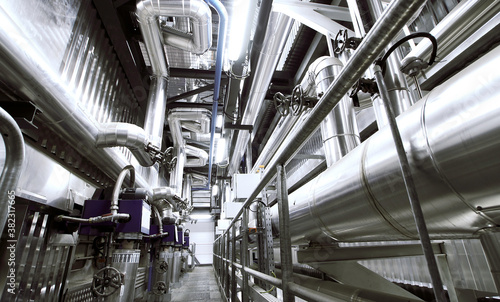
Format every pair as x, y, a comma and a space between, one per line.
234, 284
416, 208
226, 265
285, 241
244, 255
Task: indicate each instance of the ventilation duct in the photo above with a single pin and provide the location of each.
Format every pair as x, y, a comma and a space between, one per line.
452, 138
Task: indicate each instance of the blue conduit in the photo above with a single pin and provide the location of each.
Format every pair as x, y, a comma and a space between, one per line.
221, 10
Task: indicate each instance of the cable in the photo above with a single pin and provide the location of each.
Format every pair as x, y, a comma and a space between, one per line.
272, 288
382, 62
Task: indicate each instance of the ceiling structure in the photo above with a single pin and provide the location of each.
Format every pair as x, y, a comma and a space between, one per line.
191, 78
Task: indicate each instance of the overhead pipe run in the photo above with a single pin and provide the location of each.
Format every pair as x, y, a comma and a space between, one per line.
451, 136
14, 158
393, 19
276, 35
221, 45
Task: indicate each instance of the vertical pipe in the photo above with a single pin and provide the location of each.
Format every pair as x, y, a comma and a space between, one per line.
155, 111
285, 242
339, 130
175, 181
14, 157
411, 190
221, 10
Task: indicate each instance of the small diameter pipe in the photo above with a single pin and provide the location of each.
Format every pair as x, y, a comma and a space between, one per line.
98, 219
418, 215
118, 186
114, 215
14, 158
221, 10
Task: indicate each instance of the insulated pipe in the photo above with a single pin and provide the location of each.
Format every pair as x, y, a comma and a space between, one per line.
148, 12
393, 19
154, 121
196, 157
277, 32
221, 45
401, 100
177, 173
452, 138
24, 71
465, 19
125, 135
339, 130
14, 157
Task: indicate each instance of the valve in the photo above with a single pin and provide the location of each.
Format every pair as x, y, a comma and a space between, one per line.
161, 267
297, 100
343, 41
282, 104
160, 288
106, 281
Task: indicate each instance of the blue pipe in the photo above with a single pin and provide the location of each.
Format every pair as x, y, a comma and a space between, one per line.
221, 10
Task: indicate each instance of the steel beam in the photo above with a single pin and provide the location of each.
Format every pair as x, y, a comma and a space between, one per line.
327, 254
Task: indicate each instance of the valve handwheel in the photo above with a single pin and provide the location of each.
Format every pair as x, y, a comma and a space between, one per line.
106, 281
161, 267
340, 41
160, 288
297, 100
281, 104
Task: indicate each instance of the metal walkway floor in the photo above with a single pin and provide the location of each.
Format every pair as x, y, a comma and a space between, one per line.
198, 285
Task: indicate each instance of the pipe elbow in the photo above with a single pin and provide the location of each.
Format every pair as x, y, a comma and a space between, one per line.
126, 135
198, 156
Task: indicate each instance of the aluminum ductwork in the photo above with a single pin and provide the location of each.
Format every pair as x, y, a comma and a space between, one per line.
452, 138
125, 135
148, 12
195, 157
196, 120
339, 130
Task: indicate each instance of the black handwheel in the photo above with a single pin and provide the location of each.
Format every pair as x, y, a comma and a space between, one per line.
160, 288
281, 104
339, 44
297, 100
161, 267
106, 281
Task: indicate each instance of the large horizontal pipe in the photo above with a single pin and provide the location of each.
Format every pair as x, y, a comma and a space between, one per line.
394, 18
452, 138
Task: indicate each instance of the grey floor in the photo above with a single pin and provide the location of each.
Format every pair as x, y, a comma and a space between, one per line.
198, 285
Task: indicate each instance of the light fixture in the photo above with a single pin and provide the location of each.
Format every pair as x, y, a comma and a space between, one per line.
201, 216
220, 150
215, 190
239, 25
218, 124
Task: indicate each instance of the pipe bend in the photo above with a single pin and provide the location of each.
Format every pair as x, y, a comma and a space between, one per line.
126, 135
201, 157
14, 158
